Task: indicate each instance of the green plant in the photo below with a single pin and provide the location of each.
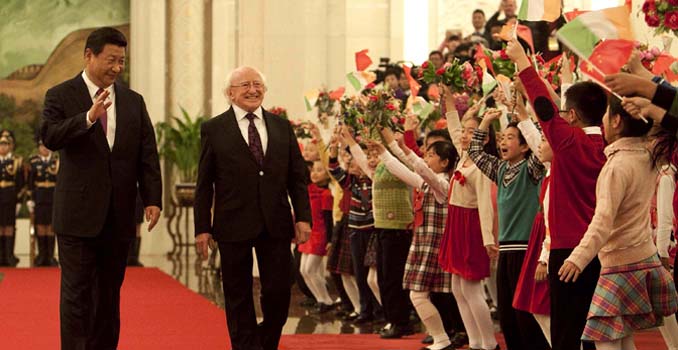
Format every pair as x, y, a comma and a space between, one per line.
179, 144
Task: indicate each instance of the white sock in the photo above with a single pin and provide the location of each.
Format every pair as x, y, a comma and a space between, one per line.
374, 285
313, 273
670, 332
351, 288
473, 293
430, 317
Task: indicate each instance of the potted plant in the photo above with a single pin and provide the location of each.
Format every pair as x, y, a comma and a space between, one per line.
179, 145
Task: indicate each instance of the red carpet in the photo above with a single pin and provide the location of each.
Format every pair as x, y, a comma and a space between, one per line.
159, 313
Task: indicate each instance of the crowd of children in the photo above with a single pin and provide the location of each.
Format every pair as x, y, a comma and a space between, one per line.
573, 199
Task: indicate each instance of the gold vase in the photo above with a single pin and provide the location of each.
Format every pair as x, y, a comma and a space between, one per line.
185, 193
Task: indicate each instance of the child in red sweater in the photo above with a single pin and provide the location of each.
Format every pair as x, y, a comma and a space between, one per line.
577, 143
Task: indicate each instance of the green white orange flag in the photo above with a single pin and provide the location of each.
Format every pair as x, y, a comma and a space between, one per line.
310, 98
540, 10
359, 79
586, 30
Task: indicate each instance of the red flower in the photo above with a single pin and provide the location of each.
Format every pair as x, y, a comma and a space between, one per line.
401, 121
479, 73
440, 71
503, 55
425, 65
374, 98
370, 86
673, 2
390, 107
671, 20
652, 21
321, 94
649, 4
421, 73
459, 177
540, 60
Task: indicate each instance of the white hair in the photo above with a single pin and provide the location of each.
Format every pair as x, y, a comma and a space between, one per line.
229, 78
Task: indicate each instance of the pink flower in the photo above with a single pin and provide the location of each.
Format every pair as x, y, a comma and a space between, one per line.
361, 121
394, 120
447, 64
390, 107
652, 20
655, 50
496, 55
440, 71
671, 20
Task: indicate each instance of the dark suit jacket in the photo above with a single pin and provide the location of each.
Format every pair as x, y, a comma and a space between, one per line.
249, 199
92, 177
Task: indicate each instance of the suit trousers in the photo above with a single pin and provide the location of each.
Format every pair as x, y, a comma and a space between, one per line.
570, 302
392, 249
92, 272
521, 330
274, 259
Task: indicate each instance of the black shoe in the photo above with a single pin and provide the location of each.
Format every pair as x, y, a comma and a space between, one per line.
363, 319
427, 340
308, 302
460, 339
323, 308
395, 332
352, 316
496, 348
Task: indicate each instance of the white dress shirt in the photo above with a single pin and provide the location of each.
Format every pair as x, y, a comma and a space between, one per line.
244, 124
110, 112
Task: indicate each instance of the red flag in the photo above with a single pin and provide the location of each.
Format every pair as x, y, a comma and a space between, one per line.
336, 94
607, 58
662, 66
481, 56
569, 16
362, 61
414, 85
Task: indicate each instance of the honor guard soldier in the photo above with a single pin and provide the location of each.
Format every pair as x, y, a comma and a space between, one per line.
43, 169
11, 182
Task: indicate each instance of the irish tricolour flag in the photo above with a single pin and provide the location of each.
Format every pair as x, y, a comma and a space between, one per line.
540, 10
586, 30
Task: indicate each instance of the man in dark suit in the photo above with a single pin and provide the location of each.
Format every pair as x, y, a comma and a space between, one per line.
251, 169
107, 146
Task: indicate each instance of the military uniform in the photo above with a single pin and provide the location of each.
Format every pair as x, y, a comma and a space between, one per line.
41, 182
11, 183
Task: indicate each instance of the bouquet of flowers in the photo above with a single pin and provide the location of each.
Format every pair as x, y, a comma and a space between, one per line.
648, 56
661, 15
549, 70
301, 129
325, 106
501, 63
352, 113
458, 76
280, 112
382, 110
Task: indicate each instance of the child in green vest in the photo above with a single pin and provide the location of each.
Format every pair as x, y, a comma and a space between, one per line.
518, 177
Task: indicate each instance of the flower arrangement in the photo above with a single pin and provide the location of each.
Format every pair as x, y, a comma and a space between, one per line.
382, 110
549, 71
280, 112
352, 113
648, 55
501, 63
661, 15
325, 106
458, 76
302, 130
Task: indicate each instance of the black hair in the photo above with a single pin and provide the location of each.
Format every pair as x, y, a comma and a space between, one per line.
589, 100
631, 127
436, 52
464, 47
392, 71
443, 133
491, 145
446, 151
521, 137
453, 37
479, 11
102, 36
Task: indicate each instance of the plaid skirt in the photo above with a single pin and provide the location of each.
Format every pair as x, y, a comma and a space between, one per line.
371, 252
422, 270
630, 298
340, 260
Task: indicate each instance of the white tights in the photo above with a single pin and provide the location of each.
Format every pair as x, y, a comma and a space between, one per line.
625, 343
474, 312
351, 288
314, 275
670, 332
374, 285
430, 317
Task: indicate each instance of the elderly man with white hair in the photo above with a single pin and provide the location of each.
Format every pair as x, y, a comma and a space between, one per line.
251, 169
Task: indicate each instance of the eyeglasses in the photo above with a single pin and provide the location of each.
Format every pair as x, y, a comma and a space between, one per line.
257, 85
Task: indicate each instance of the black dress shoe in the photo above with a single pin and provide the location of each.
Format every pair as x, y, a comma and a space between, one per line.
363, 319
308, 302
323, 308
459, 339
395, 332
350, 317
427, 340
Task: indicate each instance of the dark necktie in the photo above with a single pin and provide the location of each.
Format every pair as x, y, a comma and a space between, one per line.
254, 140
104, 118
